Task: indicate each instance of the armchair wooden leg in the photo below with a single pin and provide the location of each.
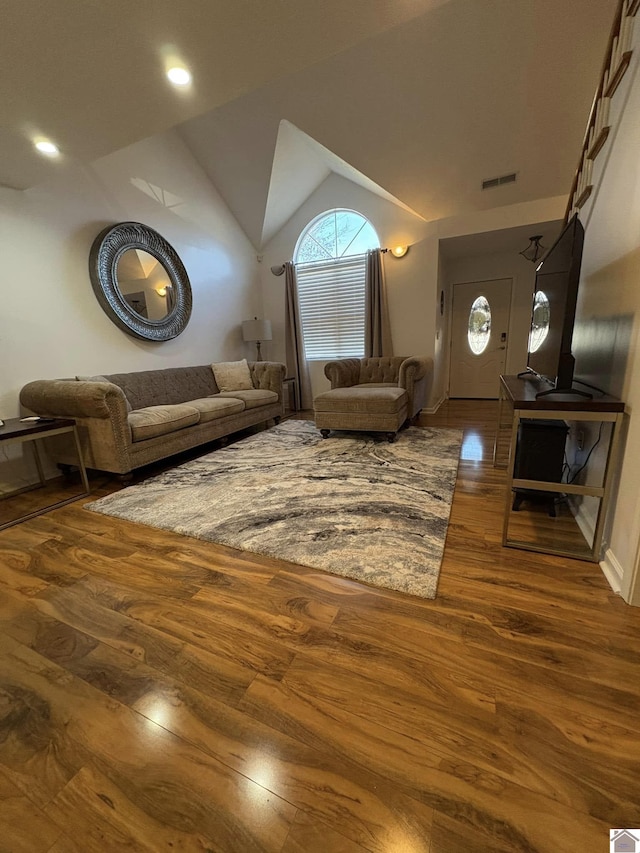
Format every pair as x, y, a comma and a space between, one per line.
325, 433
391, 437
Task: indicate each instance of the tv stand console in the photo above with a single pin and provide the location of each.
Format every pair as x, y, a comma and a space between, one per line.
533, 470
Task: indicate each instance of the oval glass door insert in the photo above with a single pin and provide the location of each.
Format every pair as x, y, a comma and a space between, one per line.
479, 330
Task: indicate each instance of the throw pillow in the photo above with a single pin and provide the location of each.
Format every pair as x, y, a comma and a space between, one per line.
232, 375
103, 379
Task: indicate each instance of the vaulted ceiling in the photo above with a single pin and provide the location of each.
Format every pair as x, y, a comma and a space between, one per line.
419, 100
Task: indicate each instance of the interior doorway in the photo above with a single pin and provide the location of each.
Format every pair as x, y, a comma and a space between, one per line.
479, 337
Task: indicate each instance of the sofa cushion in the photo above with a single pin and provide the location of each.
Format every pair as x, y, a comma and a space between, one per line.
160, 420
253, 398
232, 375
100, 378
373, 399
168, 386
211, 408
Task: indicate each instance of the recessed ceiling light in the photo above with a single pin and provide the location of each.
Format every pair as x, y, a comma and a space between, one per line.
179, 76
45, 146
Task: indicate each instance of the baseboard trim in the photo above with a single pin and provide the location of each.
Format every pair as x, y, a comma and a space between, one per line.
431, 410
612, 570
584, 520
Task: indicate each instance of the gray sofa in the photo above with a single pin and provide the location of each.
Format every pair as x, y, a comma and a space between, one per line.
132, 419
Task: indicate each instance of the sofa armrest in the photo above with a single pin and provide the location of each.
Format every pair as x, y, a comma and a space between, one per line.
416, 376
268, 375
100, 412
343, 373
69, 398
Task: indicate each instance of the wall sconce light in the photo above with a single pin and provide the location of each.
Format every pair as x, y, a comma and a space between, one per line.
256, 331
277, 269
399, 251
161, 291
534, 249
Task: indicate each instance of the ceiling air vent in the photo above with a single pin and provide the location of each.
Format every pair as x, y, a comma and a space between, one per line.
498, 182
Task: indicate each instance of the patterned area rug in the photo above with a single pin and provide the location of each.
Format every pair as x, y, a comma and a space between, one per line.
351, 504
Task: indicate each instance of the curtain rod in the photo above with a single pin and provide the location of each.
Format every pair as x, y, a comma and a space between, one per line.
278, 269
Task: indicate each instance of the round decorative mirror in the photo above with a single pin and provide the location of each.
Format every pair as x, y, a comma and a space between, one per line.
140, 281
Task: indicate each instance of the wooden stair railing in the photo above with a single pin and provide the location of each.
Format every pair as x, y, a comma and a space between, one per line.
616, 62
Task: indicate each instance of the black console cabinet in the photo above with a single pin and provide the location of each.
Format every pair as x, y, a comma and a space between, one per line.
539, 456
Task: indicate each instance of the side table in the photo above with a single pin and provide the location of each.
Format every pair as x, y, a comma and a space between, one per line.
15, 431
292, 392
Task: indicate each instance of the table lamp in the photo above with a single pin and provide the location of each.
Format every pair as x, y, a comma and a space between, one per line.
256, 331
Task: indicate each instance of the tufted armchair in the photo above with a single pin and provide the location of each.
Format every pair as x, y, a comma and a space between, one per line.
373, 394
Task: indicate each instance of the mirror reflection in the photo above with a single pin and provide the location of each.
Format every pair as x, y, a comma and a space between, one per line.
144, 284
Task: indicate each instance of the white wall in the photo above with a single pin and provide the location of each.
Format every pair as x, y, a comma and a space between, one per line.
51, 323
443, 333
607, 332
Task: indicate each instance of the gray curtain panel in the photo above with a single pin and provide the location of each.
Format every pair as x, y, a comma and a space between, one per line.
377, 331
296, 362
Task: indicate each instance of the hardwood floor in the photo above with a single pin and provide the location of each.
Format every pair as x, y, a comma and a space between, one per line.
162, 693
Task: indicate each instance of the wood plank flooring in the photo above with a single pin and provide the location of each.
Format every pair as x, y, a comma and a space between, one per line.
162, 693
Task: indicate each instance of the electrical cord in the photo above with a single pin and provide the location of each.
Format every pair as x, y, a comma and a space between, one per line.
584, 464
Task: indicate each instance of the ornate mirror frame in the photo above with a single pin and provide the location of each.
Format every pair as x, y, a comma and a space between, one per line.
105, 253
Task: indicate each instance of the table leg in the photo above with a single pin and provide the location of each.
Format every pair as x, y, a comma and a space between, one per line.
509, 485
81, 466
36, 456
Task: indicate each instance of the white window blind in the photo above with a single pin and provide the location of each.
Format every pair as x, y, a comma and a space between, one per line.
332, 295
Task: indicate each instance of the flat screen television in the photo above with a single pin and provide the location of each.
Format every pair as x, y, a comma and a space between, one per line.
554, 308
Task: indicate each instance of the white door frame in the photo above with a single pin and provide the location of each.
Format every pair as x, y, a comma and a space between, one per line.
449, 303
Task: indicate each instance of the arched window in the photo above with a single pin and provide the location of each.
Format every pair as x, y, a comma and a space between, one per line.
330, 270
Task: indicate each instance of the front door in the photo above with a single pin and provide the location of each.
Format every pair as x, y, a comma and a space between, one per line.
479, 332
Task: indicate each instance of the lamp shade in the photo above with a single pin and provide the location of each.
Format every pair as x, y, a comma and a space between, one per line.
256, 330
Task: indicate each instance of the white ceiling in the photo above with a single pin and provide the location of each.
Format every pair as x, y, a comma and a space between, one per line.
90, 73
502, 241
423, 98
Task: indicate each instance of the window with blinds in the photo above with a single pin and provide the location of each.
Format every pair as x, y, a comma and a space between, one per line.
330, 271
331, 296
